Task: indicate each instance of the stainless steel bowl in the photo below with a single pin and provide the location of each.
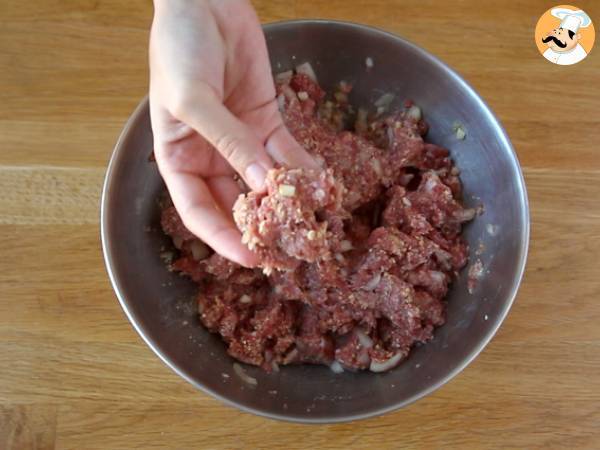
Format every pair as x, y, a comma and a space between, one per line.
160, 304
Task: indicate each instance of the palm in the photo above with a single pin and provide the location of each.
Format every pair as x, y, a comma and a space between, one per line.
211, 78
239, 72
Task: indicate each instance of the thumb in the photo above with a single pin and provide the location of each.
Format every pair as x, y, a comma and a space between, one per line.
233, 139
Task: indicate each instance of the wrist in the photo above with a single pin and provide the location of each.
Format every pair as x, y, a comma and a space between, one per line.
163, 6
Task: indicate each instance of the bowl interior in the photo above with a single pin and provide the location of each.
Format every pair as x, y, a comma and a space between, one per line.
160, 304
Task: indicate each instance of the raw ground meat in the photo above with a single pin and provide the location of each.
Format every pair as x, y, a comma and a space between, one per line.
361, 169
289, 224
356, 258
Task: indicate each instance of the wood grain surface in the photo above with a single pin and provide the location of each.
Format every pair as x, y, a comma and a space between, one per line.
74, 374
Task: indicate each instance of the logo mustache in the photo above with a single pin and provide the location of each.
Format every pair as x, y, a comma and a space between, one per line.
555, 40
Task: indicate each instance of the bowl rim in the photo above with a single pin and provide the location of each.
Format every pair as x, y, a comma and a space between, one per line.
105, 216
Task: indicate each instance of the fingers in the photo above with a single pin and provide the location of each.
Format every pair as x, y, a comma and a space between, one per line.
279, 143
225, 191
188, 153
231, 137
199, 213
180, 148
284, 149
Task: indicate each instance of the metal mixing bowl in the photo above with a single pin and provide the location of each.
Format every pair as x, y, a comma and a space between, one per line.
160, 304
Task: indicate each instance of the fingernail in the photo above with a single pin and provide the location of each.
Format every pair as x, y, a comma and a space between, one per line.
256, 174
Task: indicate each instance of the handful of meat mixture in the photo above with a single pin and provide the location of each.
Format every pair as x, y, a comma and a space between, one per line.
289, 224
356, 258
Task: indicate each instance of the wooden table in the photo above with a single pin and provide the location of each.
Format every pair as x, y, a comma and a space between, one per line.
74, 374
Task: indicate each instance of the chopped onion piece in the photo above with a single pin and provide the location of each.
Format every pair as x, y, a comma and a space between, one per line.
177, 241
382, 366
239, 371
199, 250
336, 367
369, 62
376, 164
284, 77
414, 112
492, 229
306, 69
405, 178
291, 356
268, 356
364, 340
245, 298
281, 102
430, 185
288, 92
390, 135
466, 214
372, 284
459, 131
385, 100
287, 190
303, 95
346, 246
437, 276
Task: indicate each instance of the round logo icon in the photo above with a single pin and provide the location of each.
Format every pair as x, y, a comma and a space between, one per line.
565, 35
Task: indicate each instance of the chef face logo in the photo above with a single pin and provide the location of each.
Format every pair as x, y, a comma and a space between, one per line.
561, 40
564, 35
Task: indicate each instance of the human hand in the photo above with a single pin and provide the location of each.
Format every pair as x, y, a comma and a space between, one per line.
214, 113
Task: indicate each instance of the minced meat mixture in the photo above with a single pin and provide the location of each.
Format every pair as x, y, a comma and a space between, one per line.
290, 224
356, 258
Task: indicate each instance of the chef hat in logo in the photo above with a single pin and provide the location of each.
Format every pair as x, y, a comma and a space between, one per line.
571, 19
